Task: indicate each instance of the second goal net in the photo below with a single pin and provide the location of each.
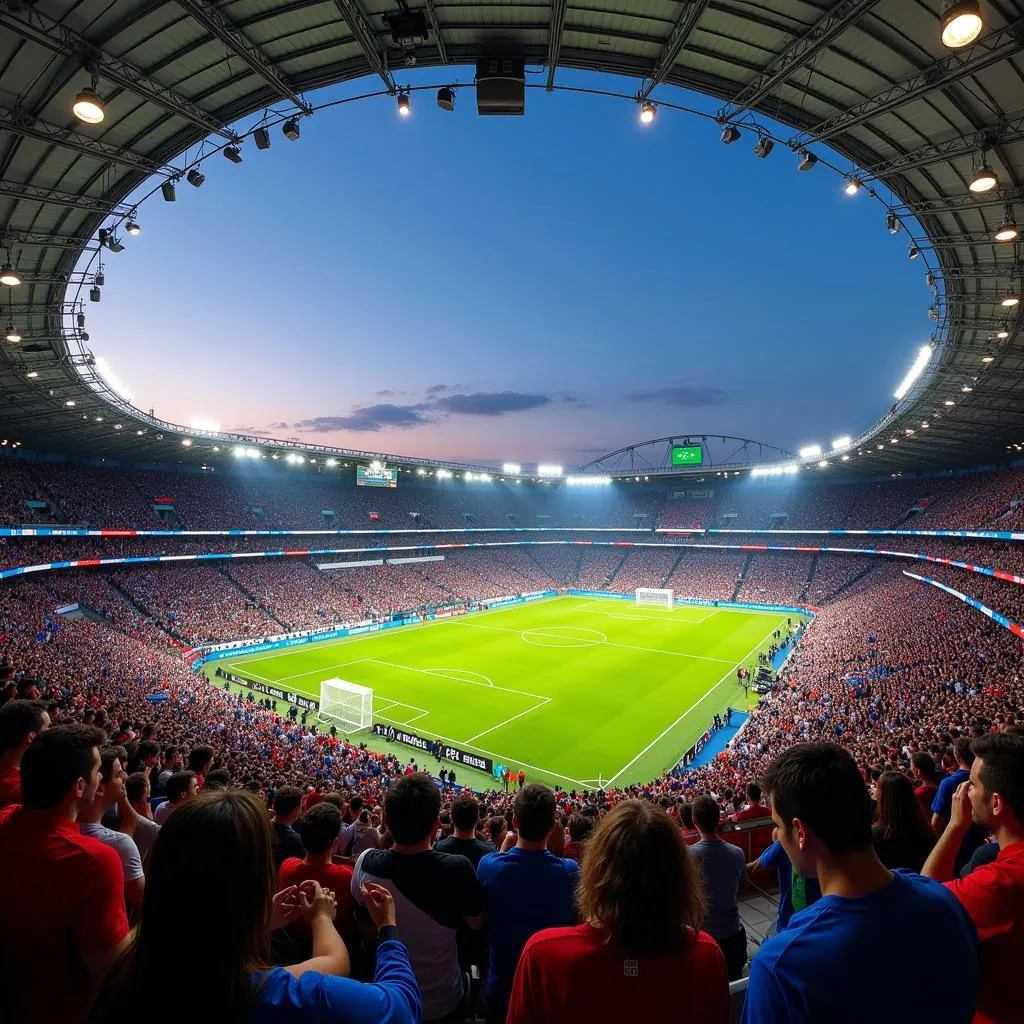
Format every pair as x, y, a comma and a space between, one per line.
345, 704
655, 596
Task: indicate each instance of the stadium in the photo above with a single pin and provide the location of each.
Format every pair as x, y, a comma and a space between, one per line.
675, 702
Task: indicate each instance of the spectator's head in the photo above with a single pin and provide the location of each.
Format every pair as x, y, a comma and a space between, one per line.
180, 882
533, 812
962, 752
652, 910
172, 758
923, 766
580, 827
287, 804
220, 778
320, 827
465, 814
20, 722
997, 782
182, 786
412, 809
61, 768
496, 829
200, 759
820, 804
706, 814
136, 788
147, 752
897, 809
29, 689
686, 816
112, 776
753, 792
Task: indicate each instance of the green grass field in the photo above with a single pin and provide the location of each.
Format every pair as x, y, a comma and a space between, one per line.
574, 690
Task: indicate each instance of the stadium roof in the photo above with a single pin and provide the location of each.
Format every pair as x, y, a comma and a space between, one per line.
869, 78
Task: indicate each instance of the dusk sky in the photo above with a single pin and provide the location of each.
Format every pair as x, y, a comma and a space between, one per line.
541, 288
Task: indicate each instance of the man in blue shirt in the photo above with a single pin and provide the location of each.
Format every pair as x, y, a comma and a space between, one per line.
837, 961
795, 892
525, 889
943, 803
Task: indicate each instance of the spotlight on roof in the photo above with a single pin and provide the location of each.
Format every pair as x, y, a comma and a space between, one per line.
233, 153
1002, 334
730, 134
984, 179
94, 293
13, 335
133, 228
104, 236
290, 129
446, 98
913, 252
1009, 300
167, 190
648, 112
100, 278
1007, 231
195, 178
807, 162
404, 104
764, 147
961, 23
262, 138
892, 222
9, 276
80, 320
89, 107
114, 245
853, 186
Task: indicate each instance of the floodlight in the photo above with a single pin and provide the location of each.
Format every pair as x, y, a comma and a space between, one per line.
764, 147
133, 228
549, 471
913, 252
853, 186
13, 335
94, 294
195, 178
892, 222
100, 278
924, 353
446, 98
842, 442
233, 153
290, 129
961, 23
332, 462
1007, 231
186, 442
730, 134
1002, 334
104, 236
9, 276
404, 104
114, 245
512, 469
648, 112
1010, 299
988, 358
262, 138
949, 401
89, 107
810, 451
984, 179
807, 162
167, 189
70, 403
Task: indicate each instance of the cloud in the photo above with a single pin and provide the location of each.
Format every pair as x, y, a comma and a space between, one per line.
369, 418
440, 389
567, 398
492, 403
680, 395
245, 428
278, 426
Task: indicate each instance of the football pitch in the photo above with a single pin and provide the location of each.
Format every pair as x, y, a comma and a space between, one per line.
576, 691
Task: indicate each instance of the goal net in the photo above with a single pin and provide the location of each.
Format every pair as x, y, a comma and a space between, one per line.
652, 595
346, 704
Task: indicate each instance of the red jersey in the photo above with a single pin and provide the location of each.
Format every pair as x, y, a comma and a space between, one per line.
337, 877
77, 907
752, 813
994, 897
570, 974
10, 786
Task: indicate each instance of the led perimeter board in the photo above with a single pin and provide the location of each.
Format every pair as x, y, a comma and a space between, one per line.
687, 455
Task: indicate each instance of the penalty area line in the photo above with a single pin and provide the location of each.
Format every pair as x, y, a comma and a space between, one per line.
539, 704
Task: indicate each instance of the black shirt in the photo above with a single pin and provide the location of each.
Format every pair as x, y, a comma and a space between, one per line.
471, 849
287, 843
900, 853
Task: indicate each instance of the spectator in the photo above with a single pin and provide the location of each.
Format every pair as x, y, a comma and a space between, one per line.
754, 809
171, 764
817, 969
580, 827
140, 826
434, 892
722, 869
640, 945
975, 835
110, 793
365, 835
200, 761
20, 722
219, 778
287, 842
465, 814
927, 777
63, 921
232, 974
992, 894
526, 889
901, 833
796, 893
181, 786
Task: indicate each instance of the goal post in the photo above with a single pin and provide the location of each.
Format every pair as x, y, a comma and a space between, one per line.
654, 596
348, 705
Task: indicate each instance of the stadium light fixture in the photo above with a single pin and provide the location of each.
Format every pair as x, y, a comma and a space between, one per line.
807, 162
764, 147
404, 104
784, 470
446, 98
195, 178
1010, 299
588, 481
32, 374
167, 191
892, 222
1007, 231
853, 186
186, 442
988, 358
648, 112
95, 294
70, 403
913, 252
984, 179
949, 402
511, 469
823, 463
730, 134
261, 137
89, 107
1002, 334
133, 228
232, 153
204, 423
13, 335
841, 443
924, 353
810, 451
290, 129
111, 379
961, 23
444, 474
9, 276
967, 389
549, 471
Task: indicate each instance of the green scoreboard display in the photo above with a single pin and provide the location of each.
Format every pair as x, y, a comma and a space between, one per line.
687, 455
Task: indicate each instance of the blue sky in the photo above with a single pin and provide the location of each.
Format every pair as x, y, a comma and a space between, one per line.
544, 288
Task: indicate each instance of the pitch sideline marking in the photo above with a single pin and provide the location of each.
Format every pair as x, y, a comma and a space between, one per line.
540, 704
697, 703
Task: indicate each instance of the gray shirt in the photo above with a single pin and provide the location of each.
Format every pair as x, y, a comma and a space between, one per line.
723, 868
124, 846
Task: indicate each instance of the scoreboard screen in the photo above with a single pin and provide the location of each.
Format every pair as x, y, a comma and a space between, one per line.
687, 455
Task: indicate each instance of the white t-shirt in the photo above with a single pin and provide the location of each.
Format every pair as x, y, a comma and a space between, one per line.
124, 846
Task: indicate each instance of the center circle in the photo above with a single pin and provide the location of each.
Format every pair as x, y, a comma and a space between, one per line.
563, 636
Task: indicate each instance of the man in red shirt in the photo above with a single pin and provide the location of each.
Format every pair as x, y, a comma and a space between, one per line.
63, 922
755, 808
20, 722
992, 894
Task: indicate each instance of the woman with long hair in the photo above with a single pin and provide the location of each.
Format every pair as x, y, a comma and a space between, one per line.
901, 833
640, 942
203, 946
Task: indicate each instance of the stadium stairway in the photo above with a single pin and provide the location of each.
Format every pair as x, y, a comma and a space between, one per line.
615, 572
810, 576
252, 597
743, 577
675, 565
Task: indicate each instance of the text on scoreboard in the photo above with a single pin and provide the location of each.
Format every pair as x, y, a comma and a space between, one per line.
687, 455
376, 476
